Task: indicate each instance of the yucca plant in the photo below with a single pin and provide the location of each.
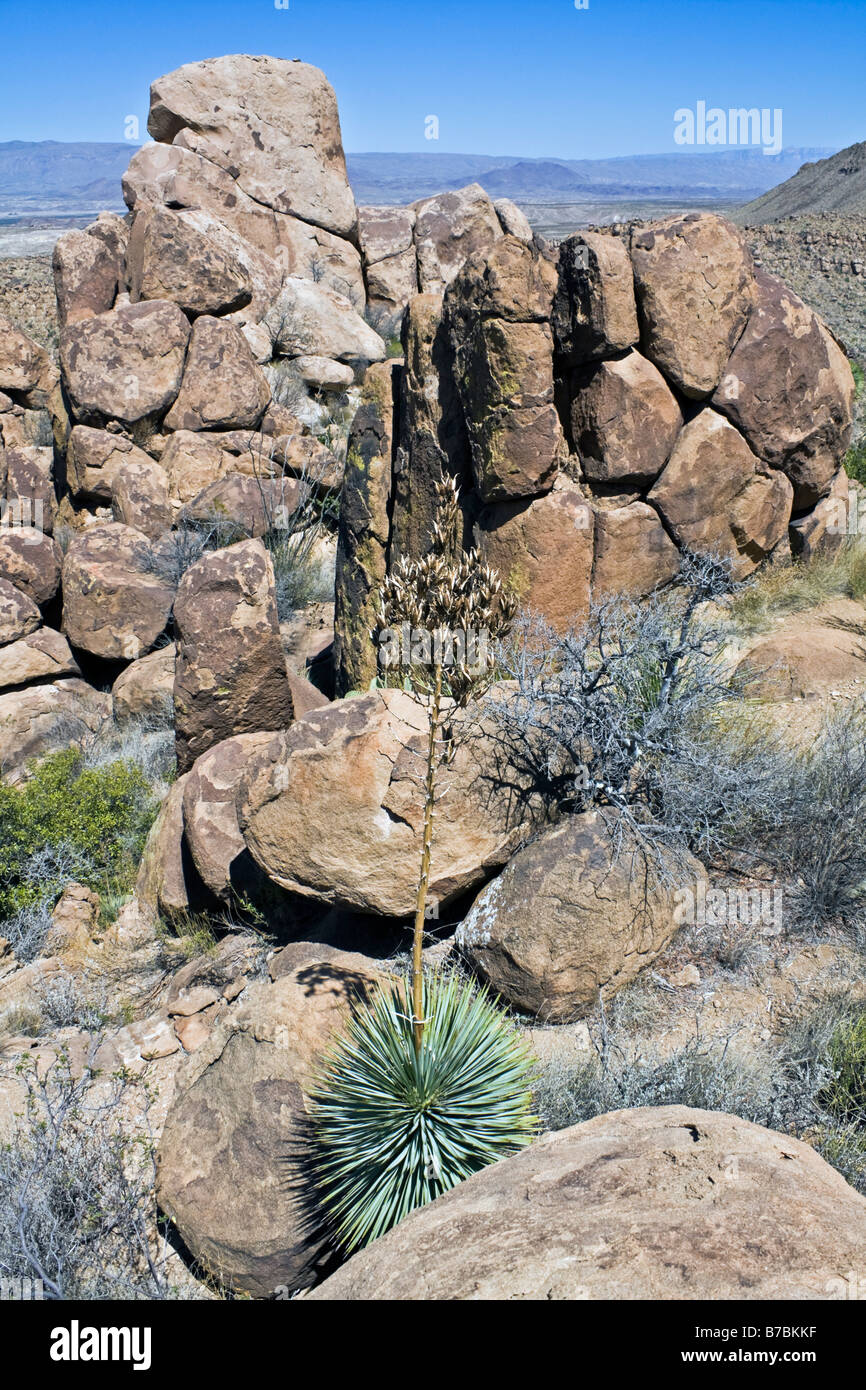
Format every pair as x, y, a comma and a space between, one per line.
394, 1128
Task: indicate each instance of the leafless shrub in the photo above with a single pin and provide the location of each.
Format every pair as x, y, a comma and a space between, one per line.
77, 1205
73, 1001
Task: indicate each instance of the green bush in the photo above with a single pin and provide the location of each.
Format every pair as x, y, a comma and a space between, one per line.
393, 1130
71, 820
845, 1095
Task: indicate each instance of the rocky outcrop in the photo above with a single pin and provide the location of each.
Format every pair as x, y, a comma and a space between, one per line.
223, 388
660, 1203
231, 675
126, 364
576, 915
116, 603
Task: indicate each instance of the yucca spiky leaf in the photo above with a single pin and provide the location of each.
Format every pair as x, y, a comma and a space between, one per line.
393, 1130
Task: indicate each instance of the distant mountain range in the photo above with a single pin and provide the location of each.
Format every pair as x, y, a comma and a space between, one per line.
837, 184
52, 177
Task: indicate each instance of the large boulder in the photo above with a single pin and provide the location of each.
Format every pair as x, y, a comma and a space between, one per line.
25, 367
659, 1203
231, 673
210, 815
624, 420
789, 388
542, 550
577, 914
311, 318
223, 386
364, 530
228, 1171
116, 601
633, 552
31, 561
167, 882
187, 257
450, 229
145, 690
386, 238
594, 312
716, 496
271, 123
126, 364
46, 718
89, 270
694, 282
139, 497
42, 656
499, 311
31, 499
333, 809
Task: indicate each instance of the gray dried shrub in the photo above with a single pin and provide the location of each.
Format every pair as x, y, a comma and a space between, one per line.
77, 1204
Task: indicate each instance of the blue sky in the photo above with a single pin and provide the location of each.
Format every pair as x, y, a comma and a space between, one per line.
521, 77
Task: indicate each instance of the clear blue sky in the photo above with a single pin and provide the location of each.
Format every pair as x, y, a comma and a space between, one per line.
522, 77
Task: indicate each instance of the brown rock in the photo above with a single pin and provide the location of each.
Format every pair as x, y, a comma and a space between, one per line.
332, 808
46, 718
145, 690
43, 655
139, 497
210, 814
272, 124
594, 312
231, 675
451, 229
19, 615
223, 386
808, 655
224, 1165
673, 1204
543, 551
31, 561
74, 921
624, 419
30, 495
386, 239
126, 364
254, 506
789, 388
93, 458
315, 254
571, 920
24, 365
716, 496
694, 283
87, 274
189, 258
114, 603
633, 553
311, 319
824, 530
166, 880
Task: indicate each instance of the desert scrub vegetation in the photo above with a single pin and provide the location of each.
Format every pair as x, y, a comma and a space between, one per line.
778, 590
77, 1203
812, 1085
69, 822
636, 711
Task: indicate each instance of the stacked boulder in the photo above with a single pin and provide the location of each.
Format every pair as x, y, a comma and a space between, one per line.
604, 406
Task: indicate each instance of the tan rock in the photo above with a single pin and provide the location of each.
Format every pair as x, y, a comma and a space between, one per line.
145, 690
385, 235
93, 458
126, 364
570, 920
312, 253
512, 221
165, 883
43, 655
139, 498
788, 387
223, 386
694, 282
332, 808
824, 530
45, 719
31, 499
323, 374
543, 550
624, 419
675, 1204
715, 495
633, 553
273, 124
808, 655
19, 615
116, 603
189, 258
74, 921
311, 319
231, 675
87, 273
24, 365
451, 229
31, 561
254, 506
210, 814
238, 1108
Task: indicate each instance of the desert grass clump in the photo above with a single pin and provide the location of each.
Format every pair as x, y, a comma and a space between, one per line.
780, 590
394, 1127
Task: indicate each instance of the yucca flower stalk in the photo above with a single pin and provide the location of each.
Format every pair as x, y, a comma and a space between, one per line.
395, 1127
443, 594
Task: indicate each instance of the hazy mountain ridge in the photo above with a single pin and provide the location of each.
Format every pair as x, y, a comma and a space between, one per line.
835, 184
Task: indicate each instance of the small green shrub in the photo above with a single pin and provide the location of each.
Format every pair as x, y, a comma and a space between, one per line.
393, 1130
845, 1095
71, 820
